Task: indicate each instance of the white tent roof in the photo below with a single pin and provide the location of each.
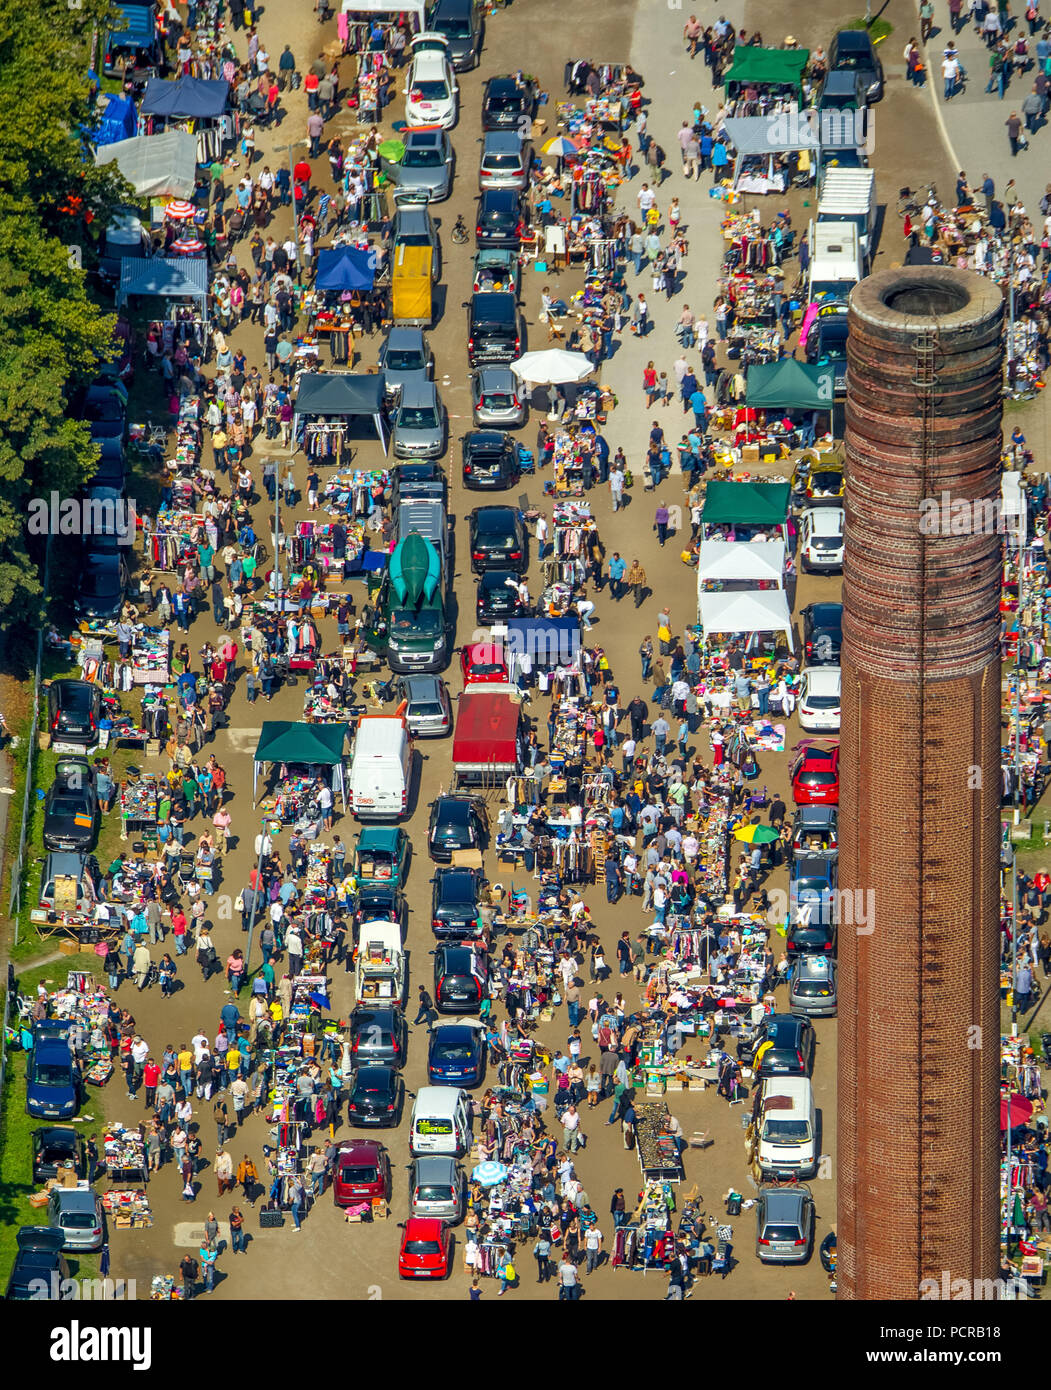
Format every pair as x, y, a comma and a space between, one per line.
749, 611
156, 165
741, 560
416, 7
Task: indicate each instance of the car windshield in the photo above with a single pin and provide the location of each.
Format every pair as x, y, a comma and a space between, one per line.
364, 1173
422, 158
427, 621
51, 1074
422, 1247
431, 90
66, 807
496, 216
407, 360
418, 417
786, 1131
486, 668
456, 28
852, 62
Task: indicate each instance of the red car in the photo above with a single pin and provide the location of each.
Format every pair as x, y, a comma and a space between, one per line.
483, 663
362, 1172
426, 1249
815, 776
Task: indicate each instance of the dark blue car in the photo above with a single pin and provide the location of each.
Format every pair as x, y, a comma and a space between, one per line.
456, 1055
52, 1082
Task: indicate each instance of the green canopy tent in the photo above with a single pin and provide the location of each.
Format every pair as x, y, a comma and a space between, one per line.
790, 385
319, 744
767, 67
746, 504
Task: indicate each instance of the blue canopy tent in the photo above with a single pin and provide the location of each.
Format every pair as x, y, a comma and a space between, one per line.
174, 277
119, 122
193, 98
341, 268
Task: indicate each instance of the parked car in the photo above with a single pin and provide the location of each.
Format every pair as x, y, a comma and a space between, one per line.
377, 902
461, 979
426, 1249
506, 105
812, 986
825, 486
495, 331
457, 822
500, 218
102, 585
426, 165
381, 855
462, 24
71, 807
505, 161
405, 359
454, 901
484, 663
815, 831
77, 1213
428, 711
40, 1271
821, 540
784, 1224
55, 1149
852, 50
431, 90
456, 1054
842, 90
415, 482
378, 1034
791, 1047
812, 890
809, 939
67, 873
437, 1188
490, 460
822, 633
497, 398
819, 696
419, 422
498, 540
815, 776
53, 1083
377, 1097
496, 600
73, 708
497, 270
362, 1172
112, 471
413, 225
826, 344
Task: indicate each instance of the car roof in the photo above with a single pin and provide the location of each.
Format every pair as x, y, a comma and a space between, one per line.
452, 954
485, 439
498, 304
502, 142
65, 862
462, 1032
503, 84
815, 757
817, 967
855, 39
420, 1227
75, 1198
841, 79
376, 1012
495, 378
824, 680
362, 1148
826, 521
405, 338
813, 865
433, 1166
453, 807
821, 613
370, 1072
784, 1203
56, 1135
454, 873
495, 512
422, 687
419, 392
379, 836
507, 196
428, 138
429, 63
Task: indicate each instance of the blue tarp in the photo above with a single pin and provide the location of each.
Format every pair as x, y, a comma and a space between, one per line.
187, 96
344, 268
119, 122
546, 641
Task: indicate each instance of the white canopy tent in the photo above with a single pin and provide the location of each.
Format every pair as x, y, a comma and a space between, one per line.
394, 7
746, 612
156, 165
750, 561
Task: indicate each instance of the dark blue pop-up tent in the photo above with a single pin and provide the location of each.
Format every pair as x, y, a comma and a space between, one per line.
194, 97
119, 122
344, 268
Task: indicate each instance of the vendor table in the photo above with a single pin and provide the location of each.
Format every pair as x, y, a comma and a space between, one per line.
658, 1149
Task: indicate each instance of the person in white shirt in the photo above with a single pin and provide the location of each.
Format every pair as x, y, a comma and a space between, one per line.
263, 845
646, 199
199, 1043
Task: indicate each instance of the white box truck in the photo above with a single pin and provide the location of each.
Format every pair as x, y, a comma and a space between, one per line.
836, 261
849, 195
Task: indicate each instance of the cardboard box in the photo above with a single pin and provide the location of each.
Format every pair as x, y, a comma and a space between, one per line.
380, 1209
467, 858
750, 453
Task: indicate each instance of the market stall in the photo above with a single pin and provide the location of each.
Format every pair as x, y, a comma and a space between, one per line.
156, 166
192, 104
745, 509
728, 565
327, 405
313, 748
124, 1153
745, 613
175, 279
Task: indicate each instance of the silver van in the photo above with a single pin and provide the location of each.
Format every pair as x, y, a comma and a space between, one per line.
437, 1188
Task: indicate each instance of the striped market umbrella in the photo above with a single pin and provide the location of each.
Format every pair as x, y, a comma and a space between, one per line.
178, 210
187, 245
489, 1173
562, 145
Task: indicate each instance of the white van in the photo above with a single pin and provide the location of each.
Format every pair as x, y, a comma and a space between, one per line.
836, 259
380, 767
441, 1122
849, 195
787, 1128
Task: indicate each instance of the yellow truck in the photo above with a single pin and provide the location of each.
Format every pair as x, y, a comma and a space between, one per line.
411, 285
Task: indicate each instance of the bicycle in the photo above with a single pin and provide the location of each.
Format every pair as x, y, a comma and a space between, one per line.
459, 231
909, 204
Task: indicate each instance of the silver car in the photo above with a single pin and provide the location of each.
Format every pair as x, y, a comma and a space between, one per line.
404, 357
419, 423
812, 986
505, 161
497, 398
429, 712
426, 166
77, 1213
437, 1188
784, 1230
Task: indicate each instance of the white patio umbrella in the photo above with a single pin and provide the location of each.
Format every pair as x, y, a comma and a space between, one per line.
551, 367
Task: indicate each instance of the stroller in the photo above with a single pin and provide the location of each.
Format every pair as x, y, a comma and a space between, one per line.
187, 870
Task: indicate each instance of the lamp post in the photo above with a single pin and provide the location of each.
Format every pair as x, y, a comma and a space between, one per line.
290, 149
255, 894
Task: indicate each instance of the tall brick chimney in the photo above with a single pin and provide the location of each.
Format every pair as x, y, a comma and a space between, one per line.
918, 1114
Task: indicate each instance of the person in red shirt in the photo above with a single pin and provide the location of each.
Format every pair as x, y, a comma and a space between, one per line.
151, 1075
179, 930
310, 86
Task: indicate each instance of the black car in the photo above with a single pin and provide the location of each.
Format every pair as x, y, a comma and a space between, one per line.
498, 540
102, 585
826, 343
454, 901
71, 809
456, 1055
506, 105
378, 1035
56, 1148
822, 633
462, 26
376, 1097
460, 980
496, 601
40, 1270
792, 1047
499, 220
73, 709
423, 481
852, 50
377, 902
495, 333
810, 939
457, 822
490, 459
112, 471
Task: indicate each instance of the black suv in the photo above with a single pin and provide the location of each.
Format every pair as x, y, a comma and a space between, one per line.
495, 332
423, 481
378, 1036
454, 902
73, 710
498, 540
457, 822
496, 601
499, 220
506, 105
822, 633
71, 809
490, 459
459, 980
792, 1049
